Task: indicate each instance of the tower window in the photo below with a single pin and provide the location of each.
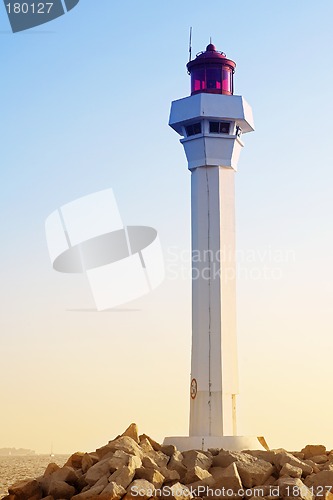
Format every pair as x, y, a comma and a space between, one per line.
193, 129
219, 127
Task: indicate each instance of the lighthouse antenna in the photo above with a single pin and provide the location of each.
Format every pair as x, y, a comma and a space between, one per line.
190, 45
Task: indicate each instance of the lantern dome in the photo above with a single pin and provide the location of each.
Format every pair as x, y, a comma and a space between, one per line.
211, 72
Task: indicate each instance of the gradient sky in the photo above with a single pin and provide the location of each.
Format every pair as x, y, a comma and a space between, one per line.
84, 106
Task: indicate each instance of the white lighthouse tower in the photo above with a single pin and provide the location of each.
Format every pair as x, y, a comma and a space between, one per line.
211, 122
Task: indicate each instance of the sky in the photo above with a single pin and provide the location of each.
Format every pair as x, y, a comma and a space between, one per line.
85, 102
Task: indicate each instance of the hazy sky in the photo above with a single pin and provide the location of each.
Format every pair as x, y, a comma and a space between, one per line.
84, 106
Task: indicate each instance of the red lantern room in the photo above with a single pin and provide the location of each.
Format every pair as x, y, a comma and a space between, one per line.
211, 72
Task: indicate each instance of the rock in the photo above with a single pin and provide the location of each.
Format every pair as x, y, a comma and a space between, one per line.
152, 475
177, 491
170, 475
268, 456
140, 488
155, 445
127, 444
194, 458
168, 449
145, 446
225, 458
228, 478
61, 490
66, 474
113, 492
50, 469
26, 490
320, 459
200, 487
119, 459
214, 451
320, 480
87, 462
291, 471
125, 475
97, 471
253, 471
314, 466
159, 458
75, 460
103, 481
285, 457
293, 488
132, 432
196, 474
91, 494
176, 463
149, 463
313, 450
327, 466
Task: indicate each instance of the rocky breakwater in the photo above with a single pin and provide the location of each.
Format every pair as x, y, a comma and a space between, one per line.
136, 467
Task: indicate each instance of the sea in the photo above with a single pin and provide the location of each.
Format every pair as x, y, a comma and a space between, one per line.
17, 468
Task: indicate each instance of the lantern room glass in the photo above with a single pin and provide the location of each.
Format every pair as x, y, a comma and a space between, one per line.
212, 79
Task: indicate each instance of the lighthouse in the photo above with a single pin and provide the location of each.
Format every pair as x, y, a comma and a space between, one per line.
211, 123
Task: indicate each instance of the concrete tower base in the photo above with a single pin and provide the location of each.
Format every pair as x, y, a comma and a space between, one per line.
232, 443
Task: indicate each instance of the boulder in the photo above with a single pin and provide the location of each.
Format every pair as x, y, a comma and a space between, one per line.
225, 458
149, 463
52, 467
87, 462
75, 460
61, 490
125, 443
97, 471
176, 463
313, 450
26, 490
169, 475
196, 474
314, 466
159, 458
285, 457
168, 449
156, 446
113, 492
268, 456
91, 494
194, 458
291, 471
125, 475
132, 432
145, 445
66, 474
320, 480
320, 459
119, 459
177, 491
140, 488
228, 478
290, 487
154, 476
253, 471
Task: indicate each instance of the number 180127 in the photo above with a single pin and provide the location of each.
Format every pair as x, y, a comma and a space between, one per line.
29, 8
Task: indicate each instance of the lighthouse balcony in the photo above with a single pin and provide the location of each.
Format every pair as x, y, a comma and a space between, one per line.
212, 150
